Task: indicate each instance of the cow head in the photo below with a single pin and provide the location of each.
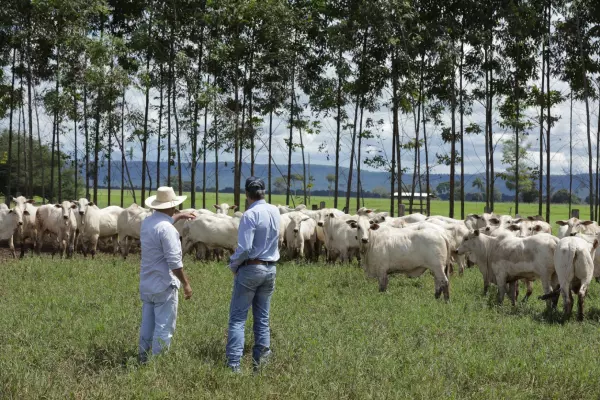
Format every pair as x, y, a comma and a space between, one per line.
574, 226
468, 243
65, 209
223, 208
363, 227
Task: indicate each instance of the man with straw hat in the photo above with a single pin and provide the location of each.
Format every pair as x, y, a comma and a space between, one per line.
161, 272
253, 266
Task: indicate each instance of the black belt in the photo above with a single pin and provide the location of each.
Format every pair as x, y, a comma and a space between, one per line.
257, 262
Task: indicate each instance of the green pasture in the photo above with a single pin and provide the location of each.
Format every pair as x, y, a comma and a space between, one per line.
70, 330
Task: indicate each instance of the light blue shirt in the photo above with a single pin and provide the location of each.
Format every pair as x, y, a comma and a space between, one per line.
258, 235
161, 253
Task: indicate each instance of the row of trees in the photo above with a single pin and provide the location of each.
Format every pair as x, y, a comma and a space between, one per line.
214, 75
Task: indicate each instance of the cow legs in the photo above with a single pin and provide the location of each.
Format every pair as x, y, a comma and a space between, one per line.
512, 291
547, 289
529, 285
115, 243
383, 282
501, 281
441, 283
11, 244
567, 301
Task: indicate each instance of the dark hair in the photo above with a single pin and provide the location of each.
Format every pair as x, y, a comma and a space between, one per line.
255, 194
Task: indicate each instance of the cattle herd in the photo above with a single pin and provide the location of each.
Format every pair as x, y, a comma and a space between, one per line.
505, 249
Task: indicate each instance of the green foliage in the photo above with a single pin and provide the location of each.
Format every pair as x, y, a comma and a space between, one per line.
527, 174
562, 197
43, 162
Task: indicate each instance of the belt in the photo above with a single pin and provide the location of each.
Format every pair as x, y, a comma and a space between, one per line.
258, 262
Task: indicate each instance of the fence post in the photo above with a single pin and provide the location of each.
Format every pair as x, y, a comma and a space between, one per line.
315, 207
401, 210
575, 213
322, 205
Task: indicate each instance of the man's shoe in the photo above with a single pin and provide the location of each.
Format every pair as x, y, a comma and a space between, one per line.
235, 369
258, 365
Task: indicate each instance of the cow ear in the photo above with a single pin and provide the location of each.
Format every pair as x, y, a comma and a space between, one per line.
233, 207
218, 207
476, 232
595, 245
586, 223
476, 216
12, 210
31, 201
91, 203
530, 218
562, 223
58, 206
537, 228
516, 221
351, 222
26, 212
374, 227
514, 227
494, 221
73, 206
331, 215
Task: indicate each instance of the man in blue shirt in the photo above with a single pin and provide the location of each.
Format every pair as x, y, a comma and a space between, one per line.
253, 267
161, 272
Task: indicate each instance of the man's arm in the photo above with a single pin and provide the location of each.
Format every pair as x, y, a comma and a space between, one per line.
172, 252
187, 289
245, 240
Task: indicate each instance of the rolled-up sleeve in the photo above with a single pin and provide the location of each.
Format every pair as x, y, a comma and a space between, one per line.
171, 247
245, 241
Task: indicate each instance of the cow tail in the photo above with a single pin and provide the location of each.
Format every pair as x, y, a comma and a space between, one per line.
448, 254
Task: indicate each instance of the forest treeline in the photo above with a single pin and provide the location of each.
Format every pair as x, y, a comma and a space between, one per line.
214, 74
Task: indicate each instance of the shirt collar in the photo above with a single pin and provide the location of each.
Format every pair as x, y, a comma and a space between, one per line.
257, 202
162, 216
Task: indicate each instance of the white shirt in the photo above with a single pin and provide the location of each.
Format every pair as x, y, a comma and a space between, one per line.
161, 253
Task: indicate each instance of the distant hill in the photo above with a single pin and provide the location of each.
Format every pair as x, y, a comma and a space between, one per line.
370, 179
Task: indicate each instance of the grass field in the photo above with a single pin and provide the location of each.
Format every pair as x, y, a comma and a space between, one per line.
70, 328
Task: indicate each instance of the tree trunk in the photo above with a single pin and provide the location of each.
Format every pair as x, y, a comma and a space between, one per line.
122, 148
146, 111
571, 155
395, 135
548, 188
30, 112
358, 182
337, 136
270, 149
462, 136
304, 177
204, 149
122, 152
491, 139
427, 181
541, 172
41, 164
75, 141
587, 115
290, 140
487, 134
86, 139
417, 119
60, 161
25, 171
52, 154
177, 139
518, 115
453, 140
10, 130
170, 93
97, 133
158, 137
216, 144
19, 172
352, 146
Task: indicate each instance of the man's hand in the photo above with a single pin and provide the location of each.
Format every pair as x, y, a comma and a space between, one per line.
187, 291
186, 216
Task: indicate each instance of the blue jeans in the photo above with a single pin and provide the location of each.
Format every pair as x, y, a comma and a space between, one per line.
159, 313
252, 286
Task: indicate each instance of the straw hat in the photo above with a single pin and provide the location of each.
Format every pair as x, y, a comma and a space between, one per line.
165, 198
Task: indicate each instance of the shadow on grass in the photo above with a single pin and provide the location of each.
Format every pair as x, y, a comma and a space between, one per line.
210, 351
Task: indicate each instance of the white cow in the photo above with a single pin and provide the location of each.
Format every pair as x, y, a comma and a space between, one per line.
57, 220
340, 239
301, 235
129, 225
574, 263
3, 206
97, 223
506, 260
11, 222
574, 225
224, 208
387, 250
210, 232
29, 228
